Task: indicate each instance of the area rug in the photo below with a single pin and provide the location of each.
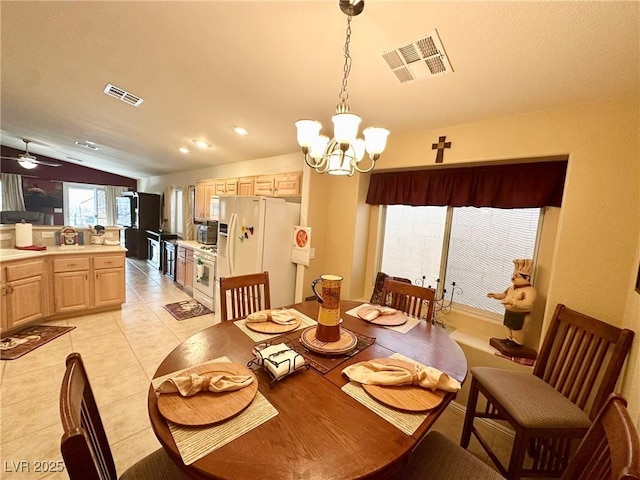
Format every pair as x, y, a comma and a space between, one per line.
186, 309
28, 339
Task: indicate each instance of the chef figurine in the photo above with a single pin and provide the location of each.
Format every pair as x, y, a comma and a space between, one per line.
518, 302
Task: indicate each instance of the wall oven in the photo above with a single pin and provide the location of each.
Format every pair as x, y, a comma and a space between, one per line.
204, 277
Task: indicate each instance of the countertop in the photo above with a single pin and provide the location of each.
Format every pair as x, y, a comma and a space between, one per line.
192, 244
7, 254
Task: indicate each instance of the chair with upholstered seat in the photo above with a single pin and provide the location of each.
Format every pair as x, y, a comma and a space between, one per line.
84, 445
577, 368
244, 294
609, 451
411, 299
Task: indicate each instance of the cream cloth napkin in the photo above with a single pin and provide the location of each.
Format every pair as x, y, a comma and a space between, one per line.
373, 373
188, 385
281, 317
371, 312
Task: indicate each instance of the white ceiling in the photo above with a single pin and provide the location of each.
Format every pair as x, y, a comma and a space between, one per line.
202, 67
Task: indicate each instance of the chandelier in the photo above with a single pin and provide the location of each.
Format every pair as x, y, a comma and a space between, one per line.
343, 154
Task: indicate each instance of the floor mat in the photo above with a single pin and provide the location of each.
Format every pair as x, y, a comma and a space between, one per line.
186, 309
28, 339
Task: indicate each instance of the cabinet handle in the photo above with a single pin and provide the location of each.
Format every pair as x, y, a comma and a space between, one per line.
109, 262
9, 290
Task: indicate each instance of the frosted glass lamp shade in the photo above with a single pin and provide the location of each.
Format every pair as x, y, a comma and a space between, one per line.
357, 149
339, 164
319, 146
308, 131
28, 164
375, 139
345, 127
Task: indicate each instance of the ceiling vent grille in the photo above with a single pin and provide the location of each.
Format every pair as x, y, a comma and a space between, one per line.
416, 59
122, 95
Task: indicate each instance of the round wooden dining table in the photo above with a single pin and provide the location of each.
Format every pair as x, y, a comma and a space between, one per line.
320, 432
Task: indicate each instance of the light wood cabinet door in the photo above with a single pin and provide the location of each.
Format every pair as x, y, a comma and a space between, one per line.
226, 186
23, 293
287, 184
200, 201
231, 186
188, 273
24, 301
263, 185
279, 185
181, 265
71, 291
109, 287
245, 186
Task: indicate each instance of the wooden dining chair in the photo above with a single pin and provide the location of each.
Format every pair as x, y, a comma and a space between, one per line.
609, 451
84, 445
411, 299
576, 370
247, 294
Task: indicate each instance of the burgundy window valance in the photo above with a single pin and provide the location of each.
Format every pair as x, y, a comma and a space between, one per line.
522, 185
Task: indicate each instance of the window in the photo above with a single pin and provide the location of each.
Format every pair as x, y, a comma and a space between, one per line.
473, 247
84, 204
175, 216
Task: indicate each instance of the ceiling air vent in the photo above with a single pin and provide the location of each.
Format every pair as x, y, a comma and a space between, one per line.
416, 59
122, 95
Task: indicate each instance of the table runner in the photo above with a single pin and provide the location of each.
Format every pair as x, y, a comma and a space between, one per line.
404, 328
407, 422
305, 322
196, 442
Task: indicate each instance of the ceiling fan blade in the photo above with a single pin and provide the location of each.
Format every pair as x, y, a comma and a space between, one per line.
46, 164
32, 160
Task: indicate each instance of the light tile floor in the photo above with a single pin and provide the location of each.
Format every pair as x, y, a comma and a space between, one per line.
121, 350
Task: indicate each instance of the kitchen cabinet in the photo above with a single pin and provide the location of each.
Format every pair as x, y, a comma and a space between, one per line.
245, 186
199, 201
203, 205
71, 286
226, 186
23, 292
184, 267
278, 185
54, 285
109, 283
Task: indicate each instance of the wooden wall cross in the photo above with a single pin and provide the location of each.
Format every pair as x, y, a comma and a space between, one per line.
440, 146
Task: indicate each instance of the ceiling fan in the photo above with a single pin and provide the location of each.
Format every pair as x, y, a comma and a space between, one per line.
28, 161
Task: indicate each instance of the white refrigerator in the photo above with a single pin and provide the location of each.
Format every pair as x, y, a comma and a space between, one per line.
255, 235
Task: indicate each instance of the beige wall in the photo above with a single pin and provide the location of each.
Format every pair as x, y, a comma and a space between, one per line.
595, 257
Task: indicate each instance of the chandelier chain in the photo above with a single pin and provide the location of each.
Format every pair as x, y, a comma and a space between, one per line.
347, 64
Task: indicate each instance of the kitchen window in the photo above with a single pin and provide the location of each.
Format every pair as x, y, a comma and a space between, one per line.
473, 247
85, 204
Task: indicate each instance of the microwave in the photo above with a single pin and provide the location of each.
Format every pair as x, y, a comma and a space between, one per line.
207, 233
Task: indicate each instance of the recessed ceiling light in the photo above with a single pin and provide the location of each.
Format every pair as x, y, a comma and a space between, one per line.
87, 144
240, 130
183, 149
201, 143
